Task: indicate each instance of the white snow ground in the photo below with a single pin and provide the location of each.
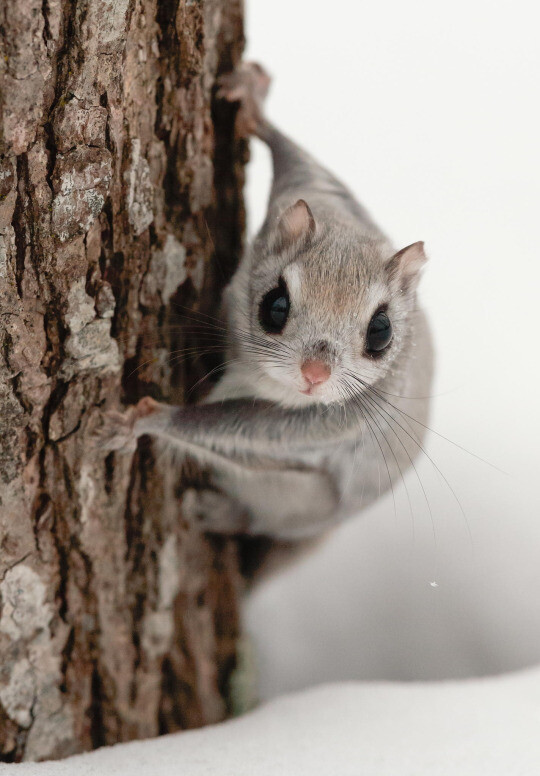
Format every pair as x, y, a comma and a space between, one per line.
465, 728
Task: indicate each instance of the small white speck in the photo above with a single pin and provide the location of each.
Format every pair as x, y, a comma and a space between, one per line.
434, 584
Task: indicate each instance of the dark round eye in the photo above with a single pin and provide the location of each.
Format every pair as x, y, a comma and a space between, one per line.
379, 333
274, 309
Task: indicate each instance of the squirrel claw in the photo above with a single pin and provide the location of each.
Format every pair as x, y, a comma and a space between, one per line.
117, 429
116, 432
248, 84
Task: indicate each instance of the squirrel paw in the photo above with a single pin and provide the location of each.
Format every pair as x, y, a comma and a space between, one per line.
116, 431
248, 84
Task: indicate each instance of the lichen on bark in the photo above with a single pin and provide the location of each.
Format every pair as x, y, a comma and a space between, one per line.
119, 176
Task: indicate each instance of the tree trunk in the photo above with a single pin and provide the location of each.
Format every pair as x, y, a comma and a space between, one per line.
117, 178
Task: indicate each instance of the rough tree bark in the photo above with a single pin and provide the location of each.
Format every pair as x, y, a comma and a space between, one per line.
118, 176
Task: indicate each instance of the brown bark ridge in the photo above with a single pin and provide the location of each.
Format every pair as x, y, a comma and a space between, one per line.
118, 175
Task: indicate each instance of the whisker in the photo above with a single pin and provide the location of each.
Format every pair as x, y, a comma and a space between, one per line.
363, 410
437, 433
217, 368
413, 465
373, 418
437, 468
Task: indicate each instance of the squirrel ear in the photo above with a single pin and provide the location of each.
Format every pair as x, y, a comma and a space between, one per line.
407, 263
296, 224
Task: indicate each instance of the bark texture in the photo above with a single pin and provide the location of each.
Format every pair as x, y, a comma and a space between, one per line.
117, 178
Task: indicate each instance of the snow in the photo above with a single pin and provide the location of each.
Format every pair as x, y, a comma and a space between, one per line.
470, 727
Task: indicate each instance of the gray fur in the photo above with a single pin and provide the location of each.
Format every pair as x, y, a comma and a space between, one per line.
299, 464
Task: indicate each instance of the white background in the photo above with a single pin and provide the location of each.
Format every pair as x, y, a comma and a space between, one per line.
429, 112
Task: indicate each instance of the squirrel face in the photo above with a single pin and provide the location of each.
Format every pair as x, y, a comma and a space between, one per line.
327, 312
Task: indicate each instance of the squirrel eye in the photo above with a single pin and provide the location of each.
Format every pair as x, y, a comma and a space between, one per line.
274, 309
379, 333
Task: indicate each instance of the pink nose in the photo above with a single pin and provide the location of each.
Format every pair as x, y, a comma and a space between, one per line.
315, 372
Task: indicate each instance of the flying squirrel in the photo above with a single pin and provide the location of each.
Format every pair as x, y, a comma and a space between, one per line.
325, 342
